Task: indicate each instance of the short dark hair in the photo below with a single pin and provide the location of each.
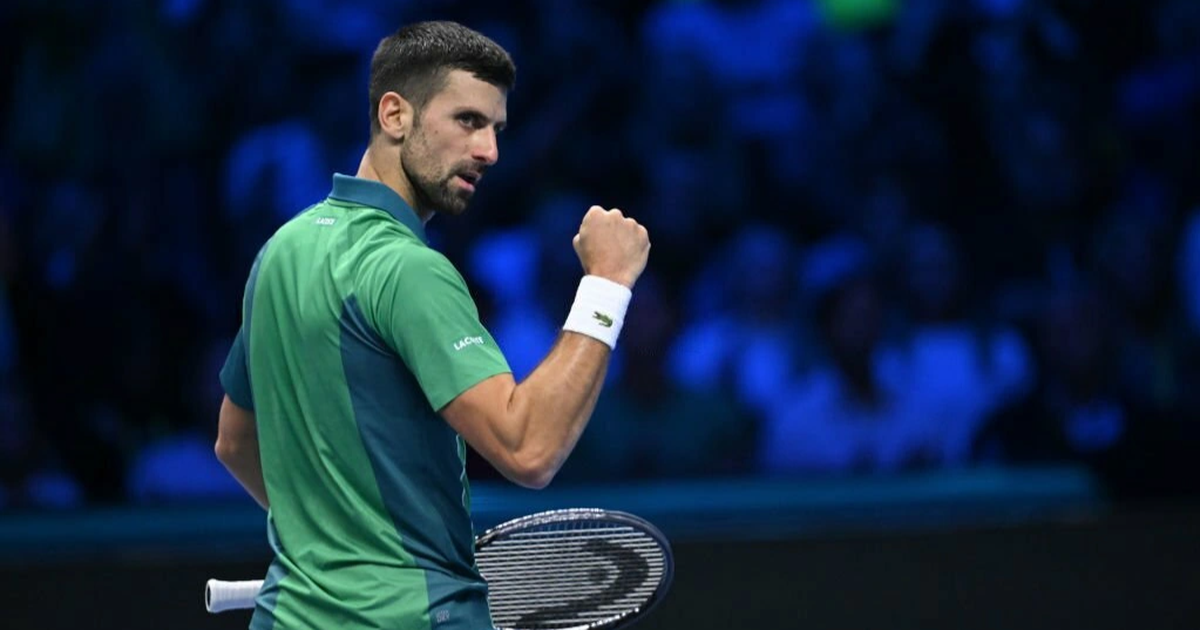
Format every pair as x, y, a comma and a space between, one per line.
414, 62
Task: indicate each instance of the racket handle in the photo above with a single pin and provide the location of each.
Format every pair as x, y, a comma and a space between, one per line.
220, 595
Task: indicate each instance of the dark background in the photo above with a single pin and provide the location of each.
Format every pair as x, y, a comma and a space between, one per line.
925, 273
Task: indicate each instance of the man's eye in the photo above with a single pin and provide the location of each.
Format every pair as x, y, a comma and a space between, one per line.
470, 120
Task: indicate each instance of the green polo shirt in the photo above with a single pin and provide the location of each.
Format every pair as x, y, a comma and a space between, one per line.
354, 334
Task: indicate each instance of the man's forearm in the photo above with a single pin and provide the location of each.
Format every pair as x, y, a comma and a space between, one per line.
552, 405
560, 395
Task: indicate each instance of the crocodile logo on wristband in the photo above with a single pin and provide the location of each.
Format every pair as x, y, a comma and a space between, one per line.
604, 320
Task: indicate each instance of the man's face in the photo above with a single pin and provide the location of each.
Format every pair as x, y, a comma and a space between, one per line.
453, 142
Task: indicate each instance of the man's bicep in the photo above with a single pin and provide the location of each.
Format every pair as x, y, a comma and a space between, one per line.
483, 416
235, 422
477, 413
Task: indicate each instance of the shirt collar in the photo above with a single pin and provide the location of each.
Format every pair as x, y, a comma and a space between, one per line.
368, 192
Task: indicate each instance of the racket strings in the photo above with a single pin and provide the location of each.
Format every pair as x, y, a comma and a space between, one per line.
571, 575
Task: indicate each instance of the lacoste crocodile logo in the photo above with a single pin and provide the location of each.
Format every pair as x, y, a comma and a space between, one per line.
604, 320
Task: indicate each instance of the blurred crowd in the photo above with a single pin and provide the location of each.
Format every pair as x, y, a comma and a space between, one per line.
889, 235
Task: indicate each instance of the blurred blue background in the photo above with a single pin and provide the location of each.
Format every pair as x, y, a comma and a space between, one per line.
906, 252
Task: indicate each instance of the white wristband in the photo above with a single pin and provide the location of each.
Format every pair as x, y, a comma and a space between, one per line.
599, 309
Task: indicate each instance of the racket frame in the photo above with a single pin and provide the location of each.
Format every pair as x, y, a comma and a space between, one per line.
569, 515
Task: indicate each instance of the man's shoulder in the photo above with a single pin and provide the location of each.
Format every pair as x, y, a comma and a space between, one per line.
408, 263
392, 248
298, 226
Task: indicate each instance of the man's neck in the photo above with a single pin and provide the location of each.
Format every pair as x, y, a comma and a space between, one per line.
375, 169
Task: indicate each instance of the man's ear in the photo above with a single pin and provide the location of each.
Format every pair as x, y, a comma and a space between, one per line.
395, 116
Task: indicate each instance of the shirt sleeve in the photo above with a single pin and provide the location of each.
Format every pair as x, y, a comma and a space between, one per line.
420, 306
235, 376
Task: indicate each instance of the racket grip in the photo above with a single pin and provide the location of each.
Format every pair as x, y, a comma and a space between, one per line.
220, 595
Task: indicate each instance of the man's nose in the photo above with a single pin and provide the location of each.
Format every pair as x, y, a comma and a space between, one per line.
486, 147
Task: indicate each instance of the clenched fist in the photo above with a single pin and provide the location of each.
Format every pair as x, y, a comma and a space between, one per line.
612, 246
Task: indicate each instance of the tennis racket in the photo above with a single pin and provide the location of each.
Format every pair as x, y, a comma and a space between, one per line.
574, 569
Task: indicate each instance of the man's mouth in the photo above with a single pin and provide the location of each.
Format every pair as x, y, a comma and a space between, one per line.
470, 179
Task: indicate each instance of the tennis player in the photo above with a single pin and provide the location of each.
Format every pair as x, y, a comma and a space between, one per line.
361, 364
